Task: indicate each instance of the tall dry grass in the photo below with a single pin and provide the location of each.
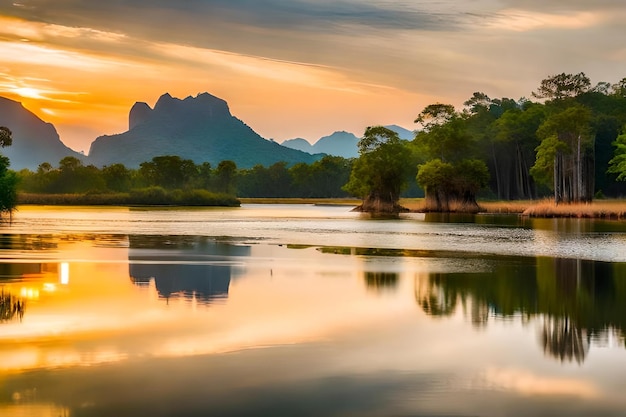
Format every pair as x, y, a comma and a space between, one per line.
600, 209
501, 207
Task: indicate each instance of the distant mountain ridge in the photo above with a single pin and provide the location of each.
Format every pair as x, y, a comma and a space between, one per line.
199, 128
340, 143
34, 141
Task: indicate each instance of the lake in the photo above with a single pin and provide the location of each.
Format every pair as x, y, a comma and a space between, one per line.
303, 310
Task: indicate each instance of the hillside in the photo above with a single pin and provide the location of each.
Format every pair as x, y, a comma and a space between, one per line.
198, 128
34, 141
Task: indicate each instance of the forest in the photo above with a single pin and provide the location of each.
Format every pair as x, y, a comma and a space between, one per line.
567, 142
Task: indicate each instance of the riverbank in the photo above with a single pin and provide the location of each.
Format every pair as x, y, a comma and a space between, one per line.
152, 196
599, 209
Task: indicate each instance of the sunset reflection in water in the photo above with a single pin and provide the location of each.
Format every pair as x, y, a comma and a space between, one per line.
112, 323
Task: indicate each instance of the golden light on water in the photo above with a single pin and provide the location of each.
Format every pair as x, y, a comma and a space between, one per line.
64, 273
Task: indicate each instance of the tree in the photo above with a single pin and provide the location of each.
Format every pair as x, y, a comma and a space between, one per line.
225, 177
8, 187
168, 171
443, 132
451, 177
569, 142
452, 187
8, 179
617, 165
74, 177
513, 143
562, 86
117, 177
378, 176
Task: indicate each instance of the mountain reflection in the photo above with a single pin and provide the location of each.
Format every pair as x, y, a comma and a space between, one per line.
191, 267
575, 301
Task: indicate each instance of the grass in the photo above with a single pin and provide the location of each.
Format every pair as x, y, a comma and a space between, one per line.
151, 196
600, 209
500, 207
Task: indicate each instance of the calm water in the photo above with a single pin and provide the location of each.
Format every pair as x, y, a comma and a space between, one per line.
277, 310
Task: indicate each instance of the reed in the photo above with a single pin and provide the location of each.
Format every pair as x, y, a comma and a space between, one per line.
602, 209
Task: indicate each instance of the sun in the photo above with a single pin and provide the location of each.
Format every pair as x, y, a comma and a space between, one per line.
27, 92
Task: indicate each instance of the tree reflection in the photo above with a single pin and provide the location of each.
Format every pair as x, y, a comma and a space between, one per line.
11, 307
576, 300
434, 300
563, 340
381, 280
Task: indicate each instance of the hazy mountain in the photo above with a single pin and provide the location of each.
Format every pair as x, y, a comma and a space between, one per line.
198, 128
34, 141
340, 143
402, 132
299, 144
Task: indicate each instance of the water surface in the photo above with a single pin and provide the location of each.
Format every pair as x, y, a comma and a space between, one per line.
306, 310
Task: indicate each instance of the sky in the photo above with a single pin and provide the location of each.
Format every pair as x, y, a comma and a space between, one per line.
294, 68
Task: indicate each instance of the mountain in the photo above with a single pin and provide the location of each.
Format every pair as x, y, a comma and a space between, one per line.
199, 128
34, 141
299, 144
403, 133
341, 143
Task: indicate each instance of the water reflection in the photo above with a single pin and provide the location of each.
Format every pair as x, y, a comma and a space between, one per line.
381, 280
190, 267
574, 301
11, 306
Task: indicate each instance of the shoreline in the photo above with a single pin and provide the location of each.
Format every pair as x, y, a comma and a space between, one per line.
610, 209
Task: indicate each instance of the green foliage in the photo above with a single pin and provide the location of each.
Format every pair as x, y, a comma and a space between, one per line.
435, 115
543, 169
117, 177
465, 177
226, 177
380, 171
561, 86
167, 171
8, 179
8, 187
617, 165
435, 174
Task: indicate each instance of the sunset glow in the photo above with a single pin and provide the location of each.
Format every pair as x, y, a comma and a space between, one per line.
302, 71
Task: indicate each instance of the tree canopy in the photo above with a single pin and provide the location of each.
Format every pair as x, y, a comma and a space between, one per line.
379, 174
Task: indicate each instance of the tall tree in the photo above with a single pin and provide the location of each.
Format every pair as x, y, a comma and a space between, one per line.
452, 176
513, 142
378, 176
617, 165
568, 136
562, 86
8, 179
569, 141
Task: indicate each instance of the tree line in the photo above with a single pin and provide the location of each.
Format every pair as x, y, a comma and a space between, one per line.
569, 142
321, 179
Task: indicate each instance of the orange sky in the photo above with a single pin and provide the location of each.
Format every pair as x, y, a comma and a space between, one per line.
294, 68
